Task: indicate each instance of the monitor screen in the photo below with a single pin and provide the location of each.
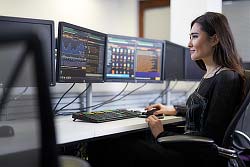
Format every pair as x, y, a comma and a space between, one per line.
80, 55
246, 65
174, 61
10, 53
192, 71
131, 59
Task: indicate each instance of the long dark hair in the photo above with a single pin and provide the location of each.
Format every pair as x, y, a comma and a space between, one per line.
225, 53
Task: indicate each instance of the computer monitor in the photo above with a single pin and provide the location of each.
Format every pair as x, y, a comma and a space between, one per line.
174, 67
80, 54
9, 53
192, 71
131, 59
246, 65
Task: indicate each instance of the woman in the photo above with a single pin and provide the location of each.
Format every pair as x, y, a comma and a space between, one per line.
208, 110
213, 104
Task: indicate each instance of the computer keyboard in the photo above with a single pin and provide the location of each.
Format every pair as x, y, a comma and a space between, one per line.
105, 116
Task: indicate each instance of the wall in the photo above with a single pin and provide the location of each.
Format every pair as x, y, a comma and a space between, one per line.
108, 16
238, 14
182, 14
157, 28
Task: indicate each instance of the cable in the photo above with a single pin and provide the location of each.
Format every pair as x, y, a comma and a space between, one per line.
105, 102
125, 95
185, 94
166, 90
110, 100
56, 111
190, 89
63, 96
17, 96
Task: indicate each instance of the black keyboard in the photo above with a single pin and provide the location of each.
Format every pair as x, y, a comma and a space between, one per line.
105, 116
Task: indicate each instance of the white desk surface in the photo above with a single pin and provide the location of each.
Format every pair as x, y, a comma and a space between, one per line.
69, 131
27, 137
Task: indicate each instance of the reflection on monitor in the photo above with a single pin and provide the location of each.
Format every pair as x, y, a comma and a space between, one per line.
80, 56
192, 71
10, 53
174, 61
130, 59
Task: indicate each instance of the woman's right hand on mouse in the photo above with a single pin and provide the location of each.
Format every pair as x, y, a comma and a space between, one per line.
162, 109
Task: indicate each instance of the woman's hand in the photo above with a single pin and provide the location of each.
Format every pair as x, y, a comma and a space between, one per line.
155, 125
162, 109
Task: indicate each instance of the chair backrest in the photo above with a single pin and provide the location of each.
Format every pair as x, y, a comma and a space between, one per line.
28, 142
228, 137
243, 126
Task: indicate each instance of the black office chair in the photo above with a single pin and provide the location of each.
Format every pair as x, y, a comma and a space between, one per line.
231, 150
241, 135
29, 142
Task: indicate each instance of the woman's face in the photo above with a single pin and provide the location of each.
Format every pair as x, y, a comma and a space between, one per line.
200, 44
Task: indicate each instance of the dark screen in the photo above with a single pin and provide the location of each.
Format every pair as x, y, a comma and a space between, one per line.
80, 56
174, 61
131, 59
192, 71
246, 65
10, 53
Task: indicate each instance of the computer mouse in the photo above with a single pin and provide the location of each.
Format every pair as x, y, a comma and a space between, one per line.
6, 131
151, 112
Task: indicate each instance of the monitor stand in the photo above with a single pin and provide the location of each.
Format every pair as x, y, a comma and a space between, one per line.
166, 96
89, 97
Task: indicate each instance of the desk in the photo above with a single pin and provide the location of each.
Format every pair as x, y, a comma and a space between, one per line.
27, 136
69, 131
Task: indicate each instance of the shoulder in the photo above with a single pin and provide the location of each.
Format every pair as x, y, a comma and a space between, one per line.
228, 75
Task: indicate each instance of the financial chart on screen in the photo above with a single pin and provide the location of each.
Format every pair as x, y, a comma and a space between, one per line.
80, 54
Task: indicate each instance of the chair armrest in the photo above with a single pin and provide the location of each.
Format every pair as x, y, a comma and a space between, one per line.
242, 134
188, 142
241, 140
196, 144
185, 139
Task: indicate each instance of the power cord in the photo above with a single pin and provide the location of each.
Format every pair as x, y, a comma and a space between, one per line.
165, 91
56, 111
63, 96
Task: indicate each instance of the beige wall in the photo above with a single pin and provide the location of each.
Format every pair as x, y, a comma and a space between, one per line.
182, 14
108, 16
157, 23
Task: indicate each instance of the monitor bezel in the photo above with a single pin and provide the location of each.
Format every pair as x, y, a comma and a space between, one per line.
134, 80
58, 64
187, 61
165, 59
52, 31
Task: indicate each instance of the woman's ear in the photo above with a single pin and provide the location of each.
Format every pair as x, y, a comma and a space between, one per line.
214, 40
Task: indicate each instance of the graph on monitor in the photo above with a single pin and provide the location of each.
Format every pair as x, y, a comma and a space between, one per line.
80, 56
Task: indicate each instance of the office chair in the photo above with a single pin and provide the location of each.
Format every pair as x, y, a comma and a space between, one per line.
230, 150
241, 135
37, 151
18, 148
